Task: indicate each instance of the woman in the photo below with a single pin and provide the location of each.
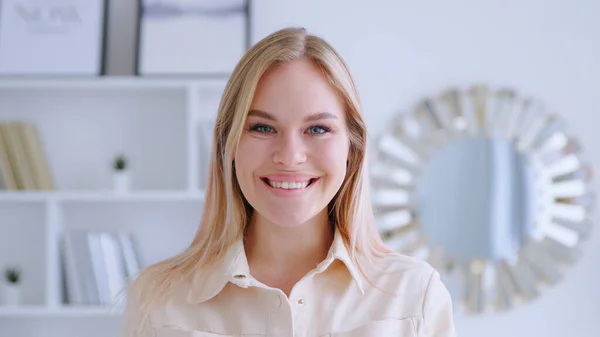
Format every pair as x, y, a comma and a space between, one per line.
287, 244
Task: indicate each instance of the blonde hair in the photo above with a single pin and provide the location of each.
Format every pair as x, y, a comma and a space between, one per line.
226, 213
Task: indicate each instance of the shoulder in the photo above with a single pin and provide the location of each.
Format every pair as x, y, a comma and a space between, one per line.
401, 275
149, 295
412, 287
399, 266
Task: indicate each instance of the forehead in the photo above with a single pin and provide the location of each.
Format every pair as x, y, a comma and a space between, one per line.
296, 89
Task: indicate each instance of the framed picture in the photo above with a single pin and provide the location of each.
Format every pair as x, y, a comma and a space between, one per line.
201, 37
52, 37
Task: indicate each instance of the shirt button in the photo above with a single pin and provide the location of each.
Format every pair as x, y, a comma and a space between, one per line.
300, 301
240, 276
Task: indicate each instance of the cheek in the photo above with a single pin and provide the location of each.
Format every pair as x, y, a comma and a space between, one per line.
332, 157
247, 157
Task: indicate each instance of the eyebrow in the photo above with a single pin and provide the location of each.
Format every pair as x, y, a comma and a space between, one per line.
309, 118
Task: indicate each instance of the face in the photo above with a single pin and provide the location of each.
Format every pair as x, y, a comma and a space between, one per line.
291, 158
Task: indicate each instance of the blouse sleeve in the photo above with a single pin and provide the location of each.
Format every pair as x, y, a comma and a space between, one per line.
438, 316
131, 325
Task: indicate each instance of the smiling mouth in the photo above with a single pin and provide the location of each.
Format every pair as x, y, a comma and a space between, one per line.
289, 185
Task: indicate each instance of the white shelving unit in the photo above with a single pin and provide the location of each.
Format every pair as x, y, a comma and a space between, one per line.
83, 124
63, 312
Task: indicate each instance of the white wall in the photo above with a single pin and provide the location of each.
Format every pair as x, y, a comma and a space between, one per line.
402, 50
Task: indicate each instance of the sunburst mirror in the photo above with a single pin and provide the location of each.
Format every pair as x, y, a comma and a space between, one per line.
489, 188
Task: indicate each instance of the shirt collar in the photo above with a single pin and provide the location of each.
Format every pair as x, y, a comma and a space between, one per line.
233, 267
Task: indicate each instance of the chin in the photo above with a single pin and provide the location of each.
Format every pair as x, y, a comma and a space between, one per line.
283, 218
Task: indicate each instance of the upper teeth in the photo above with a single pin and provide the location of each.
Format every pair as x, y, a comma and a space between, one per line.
288, 185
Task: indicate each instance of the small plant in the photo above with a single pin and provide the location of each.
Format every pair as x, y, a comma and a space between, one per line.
120, 163
13, 275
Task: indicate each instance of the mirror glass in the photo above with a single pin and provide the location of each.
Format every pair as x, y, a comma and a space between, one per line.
489, 188
472, 182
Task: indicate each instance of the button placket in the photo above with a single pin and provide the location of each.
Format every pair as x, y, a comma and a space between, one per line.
301, 315
277, 301
302, 292
280, 318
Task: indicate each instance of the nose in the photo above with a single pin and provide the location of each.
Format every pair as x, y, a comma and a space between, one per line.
290, 151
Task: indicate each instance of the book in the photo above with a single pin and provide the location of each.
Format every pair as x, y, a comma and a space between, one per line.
98, 265
23, 161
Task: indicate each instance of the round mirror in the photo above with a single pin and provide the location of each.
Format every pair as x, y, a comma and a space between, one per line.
489, 189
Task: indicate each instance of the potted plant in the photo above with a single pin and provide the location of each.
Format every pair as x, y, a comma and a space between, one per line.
122, 181
11, 294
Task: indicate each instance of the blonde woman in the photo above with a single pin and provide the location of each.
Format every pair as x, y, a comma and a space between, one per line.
287, 244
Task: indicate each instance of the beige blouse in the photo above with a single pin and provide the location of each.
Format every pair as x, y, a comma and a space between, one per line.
401, 297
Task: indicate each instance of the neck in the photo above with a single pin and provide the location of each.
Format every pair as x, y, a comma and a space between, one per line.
279, 256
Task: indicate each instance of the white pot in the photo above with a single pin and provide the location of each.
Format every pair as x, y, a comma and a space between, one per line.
122, 181
11, 295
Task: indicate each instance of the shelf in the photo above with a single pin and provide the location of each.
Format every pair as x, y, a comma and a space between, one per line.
109, 82
164, 126
41, 311
99, 196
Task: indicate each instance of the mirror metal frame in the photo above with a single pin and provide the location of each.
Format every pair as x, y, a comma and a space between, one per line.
562, 178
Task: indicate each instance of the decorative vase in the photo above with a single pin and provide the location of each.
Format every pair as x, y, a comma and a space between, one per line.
122, 181
11, 294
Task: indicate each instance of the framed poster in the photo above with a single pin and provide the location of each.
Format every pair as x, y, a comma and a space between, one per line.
192, 37
52, 37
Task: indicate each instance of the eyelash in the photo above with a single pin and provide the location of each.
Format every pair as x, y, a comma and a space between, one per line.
258, 127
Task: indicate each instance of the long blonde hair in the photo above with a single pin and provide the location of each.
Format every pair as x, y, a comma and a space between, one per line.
225, 212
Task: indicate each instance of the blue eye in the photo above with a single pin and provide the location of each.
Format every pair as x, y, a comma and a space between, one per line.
261, 128
318, 129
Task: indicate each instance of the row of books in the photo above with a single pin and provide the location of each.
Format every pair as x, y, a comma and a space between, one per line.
98, 265
23, 162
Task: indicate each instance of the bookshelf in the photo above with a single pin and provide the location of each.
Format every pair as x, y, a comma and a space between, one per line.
65, 312
162, 126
